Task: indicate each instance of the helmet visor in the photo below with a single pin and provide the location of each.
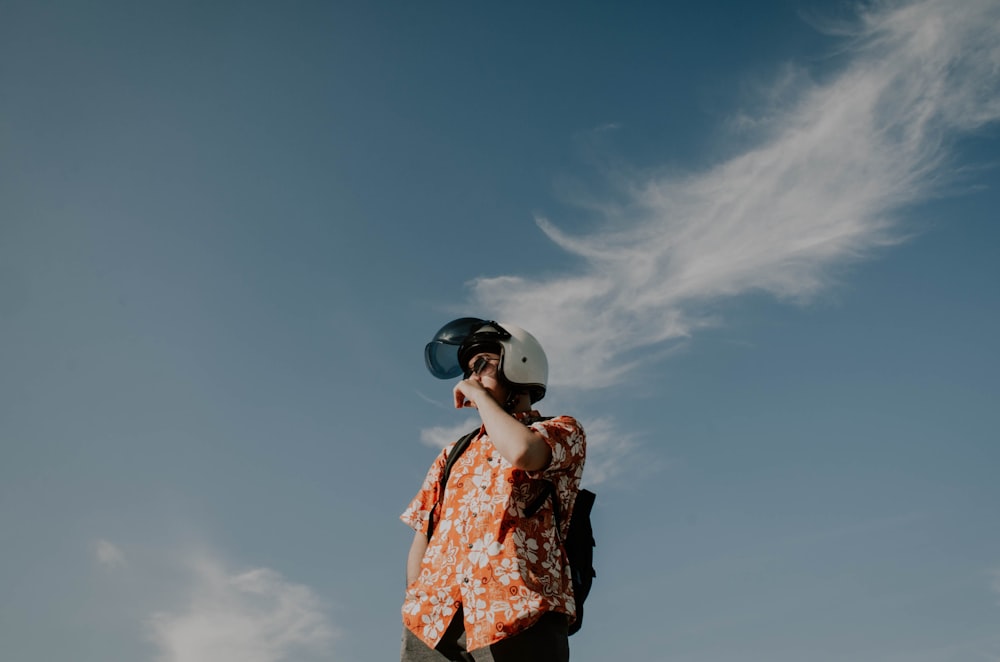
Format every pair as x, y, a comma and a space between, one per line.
442, 352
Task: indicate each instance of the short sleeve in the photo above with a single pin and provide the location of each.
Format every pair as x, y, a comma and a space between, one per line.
566, 438
418, 512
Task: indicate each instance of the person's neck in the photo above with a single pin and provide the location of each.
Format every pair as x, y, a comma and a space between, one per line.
521, 405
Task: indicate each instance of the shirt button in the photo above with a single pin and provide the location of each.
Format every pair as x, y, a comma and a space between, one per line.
470, 546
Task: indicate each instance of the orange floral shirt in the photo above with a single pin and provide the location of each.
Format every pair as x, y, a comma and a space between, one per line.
504, 569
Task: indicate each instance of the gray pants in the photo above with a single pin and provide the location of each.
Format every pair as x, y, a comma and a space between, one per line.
545, 641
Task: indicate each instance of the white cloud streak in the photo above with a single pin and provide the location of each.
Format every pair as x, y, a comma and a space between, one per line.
252, 616
108, 554
609, 450
826, 184
442, 435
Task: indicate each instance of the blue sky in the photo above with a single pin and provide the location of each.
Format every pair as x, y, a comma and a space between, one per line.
758, 242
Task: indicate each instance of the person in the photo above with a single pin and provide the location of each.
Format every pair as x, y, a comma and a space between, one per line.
492, 582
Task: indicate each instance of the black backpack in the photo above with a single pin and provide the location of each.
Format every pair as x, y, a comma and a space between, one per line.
579, 542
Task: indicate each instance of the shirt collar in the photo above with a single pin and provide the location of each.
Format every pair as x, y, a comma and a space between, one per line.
528, 417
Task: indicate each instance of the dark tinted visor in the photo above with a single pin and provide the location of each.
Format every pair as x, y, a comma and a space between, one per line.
442, 353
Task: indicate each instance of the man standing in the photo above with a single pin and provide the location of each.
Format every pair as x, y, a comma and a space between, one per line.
487, 574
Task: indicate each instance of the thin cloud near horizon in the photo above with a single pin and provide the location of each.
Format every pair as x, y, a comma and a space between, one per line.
251, 616
108, 554
826, 185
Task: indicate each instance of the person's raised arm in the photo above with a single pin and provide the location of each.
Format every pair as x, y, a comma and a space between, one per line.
524, 448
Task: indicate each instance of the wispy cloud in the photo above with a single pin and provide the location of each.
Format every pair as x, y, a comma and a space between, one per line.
251, 616
108, 554
609, 451
833, 166
442, 435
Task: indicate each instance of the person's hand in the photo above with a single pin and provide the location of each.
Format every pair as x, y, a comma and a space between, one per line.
469, 393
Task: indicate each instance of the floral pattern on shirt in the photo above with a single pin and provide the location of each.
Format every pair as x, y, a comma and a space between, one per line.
504, 569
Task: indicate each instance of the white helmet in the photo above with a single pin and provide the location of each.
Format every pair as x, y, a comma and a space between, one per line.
522, 360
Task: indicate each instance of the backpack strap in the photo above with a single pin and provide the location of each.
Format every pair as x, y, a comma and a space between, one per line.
536, 504
449, 462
